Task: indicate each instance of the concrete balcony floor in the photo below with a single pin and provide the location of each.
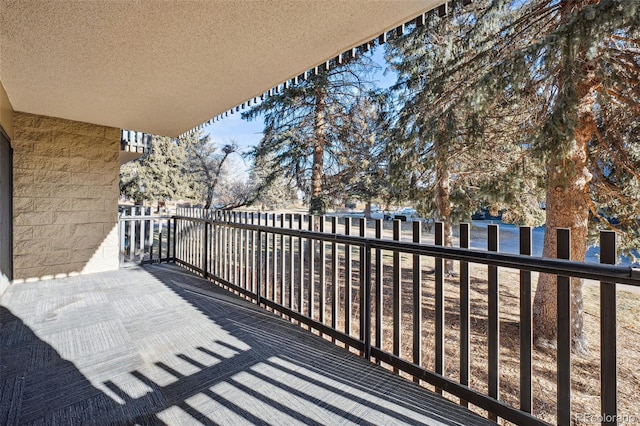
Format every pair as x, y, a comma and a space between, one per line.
157, 345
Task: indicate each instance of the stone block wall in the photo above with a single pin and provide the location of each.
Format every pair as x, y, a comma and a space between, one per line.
65, 205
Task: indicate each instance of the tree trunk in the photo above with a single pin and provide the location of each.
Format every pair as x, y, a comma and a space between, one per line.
568, 203
209, 200
367, 210
317, 204
567, 207
443, 205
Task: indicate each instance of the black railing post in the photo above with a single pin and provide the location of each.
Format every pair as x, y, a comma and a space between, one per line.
247, 254
185, 238
237, 218
282, 262
439, 302
274, 281
526, 342
151, 239
300, 266
465, 342
231, 247
259, 267
397, 294
323, 275
218, 250
292, 266
228, 247
175, 238
379, 282
335, 274
142, 234
365, 307
348, 272
267, 262
212, 246
608, 335
417, 299
254, 250
160, 229
363, 277
493, 337
564, 332
240, 249
221, 252
311, 268
169, 239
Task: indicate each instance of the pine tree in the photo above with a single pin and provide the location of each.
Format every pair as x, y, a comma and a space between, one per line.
576, 63
302, 127
189, 168
447, 161
363, 165
158, 175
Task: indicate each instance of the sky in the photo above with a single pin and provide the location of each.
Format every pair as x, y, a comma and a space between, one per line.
247, 134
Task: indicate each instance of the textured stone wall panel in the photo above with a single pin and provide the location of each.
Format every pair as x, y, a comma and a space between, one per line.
65, 197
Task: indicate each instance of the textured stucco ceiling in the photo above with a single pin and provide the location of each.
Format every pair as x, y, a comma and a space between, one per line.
162, 66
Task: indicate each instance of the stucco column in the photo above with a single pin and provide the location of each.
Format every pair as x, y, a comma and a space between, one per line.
65, 177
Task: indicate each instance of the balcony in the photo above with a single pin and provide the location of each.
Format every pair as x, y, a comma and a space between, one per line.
133, 145
280, 318
159, 345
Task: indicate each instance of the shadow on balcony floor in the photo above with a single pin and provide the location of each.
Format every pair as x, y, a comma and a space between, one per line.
157, 345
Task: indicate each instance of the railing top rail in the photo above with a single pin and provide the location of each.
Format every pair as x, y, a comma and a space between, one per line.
143, 217
595, 271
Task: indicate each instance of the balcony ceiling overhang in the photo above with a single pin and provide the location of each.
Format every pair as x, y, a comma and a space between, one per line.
164, 67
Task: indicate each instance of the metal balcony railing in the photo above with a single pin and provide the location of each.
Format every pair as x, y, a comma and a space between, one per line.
354, 289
